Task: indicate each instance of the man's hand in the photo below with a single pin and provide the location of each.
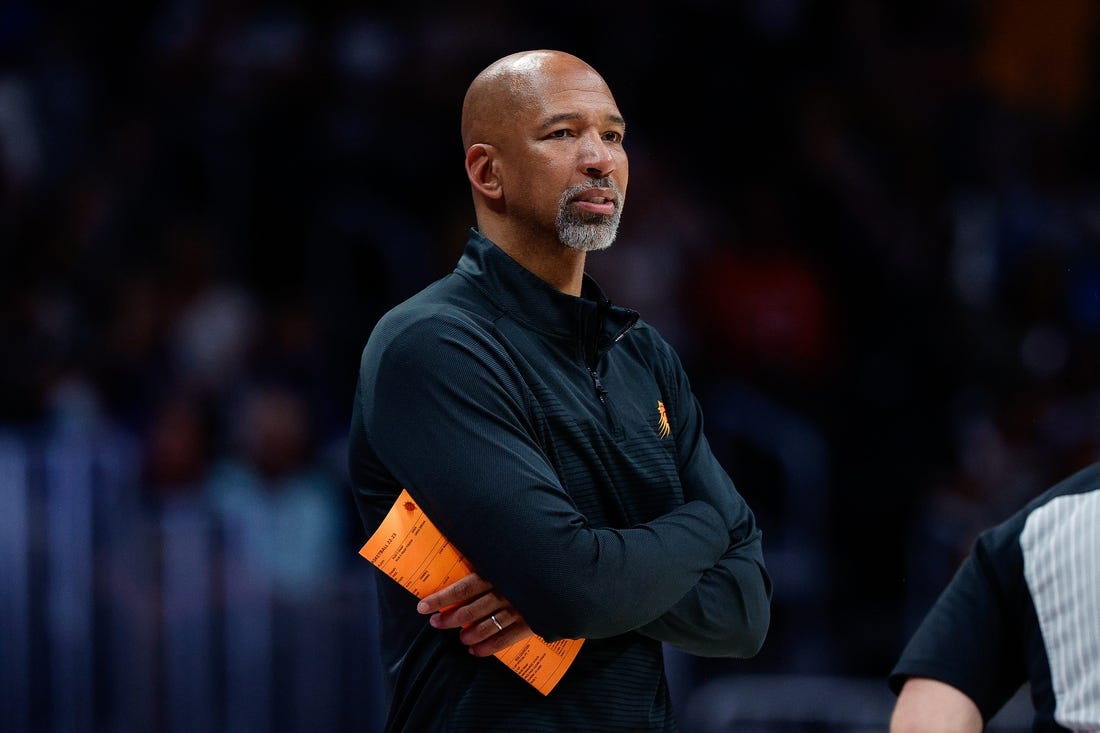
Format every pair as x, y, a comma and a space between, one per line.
488, 621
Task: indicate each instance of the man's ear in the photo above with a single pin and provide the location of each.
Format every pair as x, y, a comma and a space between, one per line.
482, 172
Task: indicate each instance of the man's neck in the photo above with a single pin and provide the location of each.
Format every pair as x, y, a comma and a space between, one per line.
558, 265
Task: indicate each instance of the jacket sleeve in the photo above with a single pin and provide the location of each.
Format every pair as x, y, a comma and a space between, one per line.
728, 612
972, 637
446, 411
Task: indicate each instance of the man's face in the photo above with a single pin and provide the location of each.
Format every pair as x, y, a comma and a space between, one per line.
564, 167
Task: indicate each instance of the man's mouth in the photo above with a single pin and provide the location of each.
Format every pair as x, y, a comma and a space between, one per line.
596, 203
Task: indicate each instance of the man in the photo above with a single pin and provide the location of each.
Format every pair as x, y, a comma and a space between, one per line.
1023, 607
553, 438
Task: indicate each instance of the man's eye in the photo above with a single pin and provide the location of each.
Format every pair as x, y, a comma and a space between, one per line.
613, 137
559, 133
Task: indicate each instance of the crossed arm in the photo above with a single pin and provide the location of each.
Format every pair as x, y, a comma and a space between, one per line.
726, 613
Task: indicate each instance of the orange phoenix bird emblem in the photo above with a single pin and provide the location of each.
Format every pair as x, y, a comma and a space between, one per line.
663, 428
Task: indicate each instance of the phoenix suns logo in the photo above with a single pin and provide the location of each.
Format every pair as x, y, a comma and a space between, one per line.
663, 428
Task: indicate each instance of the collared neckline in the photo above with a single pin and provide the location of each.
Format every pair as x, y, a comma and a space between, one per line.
541, 306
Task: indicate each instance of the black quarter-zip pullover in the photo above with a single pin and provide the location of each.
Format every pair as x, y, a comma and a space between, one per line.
555, 441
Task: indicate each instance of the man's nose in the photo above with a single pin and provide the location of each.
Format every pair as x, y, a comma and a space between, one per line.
596, 158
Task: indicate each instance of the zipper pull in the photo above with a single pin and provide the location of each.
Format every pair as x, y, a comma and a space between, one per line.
601, 391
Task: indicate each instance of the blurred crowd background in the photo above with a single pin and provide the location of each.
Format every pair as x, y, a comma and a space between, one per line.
871, 229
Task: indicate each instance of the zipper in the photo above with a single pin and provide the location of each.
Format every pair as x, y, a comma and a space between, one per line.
591, 330
601, 391
601, 394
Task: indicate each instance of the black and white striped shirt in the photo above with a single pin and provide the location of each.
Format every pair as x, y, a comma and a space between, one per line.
1024, 607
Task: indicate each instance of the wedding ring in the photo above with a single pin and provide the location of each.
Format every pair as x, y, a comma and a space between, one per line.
493, 618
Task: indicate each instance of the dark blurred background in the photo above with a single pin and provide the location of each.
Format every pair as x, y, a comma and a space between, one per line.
871, 230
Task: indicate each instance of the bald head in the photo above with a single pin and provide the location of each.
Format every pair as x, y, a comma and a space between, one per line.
545, 159
517, 83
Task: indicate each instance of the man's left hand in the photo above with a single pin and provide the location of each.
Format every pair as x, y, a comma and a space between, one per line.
489, 622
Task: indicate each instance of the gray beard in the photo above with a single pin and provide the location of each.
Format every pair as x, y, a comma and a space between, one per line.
589, 233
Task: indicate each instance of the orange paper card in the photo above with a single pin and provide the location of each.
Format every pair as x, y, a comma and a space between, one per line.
412, 551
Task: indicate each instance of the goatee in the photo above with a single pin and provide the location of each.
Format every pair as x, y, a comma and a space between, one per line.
588, 232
